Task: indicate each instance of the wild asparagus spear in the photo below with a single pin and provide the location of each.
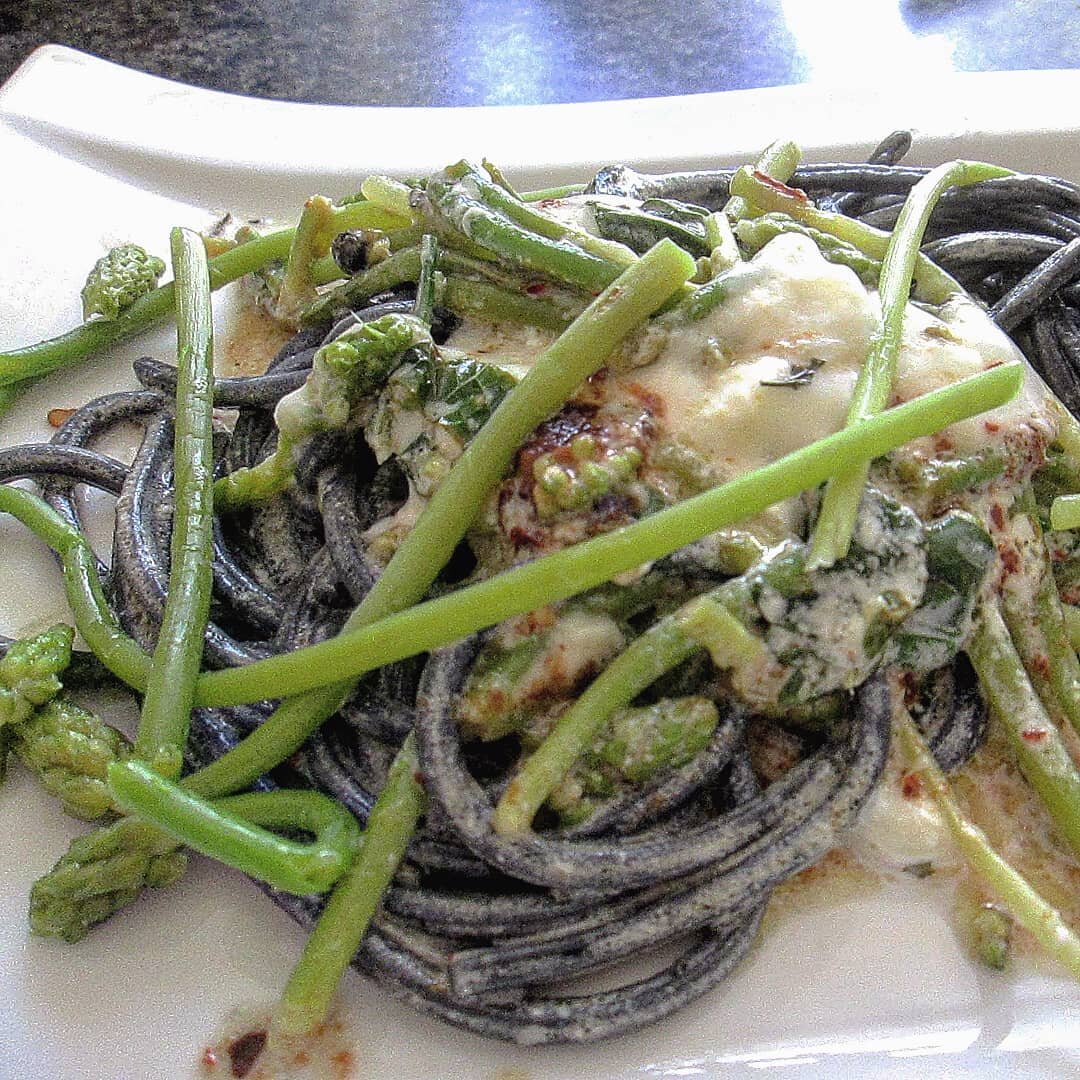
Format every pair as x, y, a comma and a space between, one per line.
170, 687
30, 672
70, 750
66, 747
18, 366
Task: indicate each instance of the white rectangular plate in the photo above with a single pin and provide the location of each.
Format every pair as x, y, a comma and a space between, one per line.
93, 154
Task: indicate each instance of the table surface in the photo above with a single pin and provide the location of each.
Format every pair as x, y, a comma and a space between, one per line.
507, 52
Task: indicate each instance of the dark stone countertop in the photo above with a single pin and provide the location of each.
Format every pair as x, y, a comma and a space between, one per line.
498, 52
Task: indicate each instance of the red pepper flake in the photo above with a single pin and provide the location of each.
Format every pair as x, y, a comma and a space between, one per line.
911, 785
419, 778
1010, 560
521, 537
1041, 664
992, 426
537, 288
997, 515
910, 686
59, 417
1033, 734
942, 443
244, 1052
209, 1060
653, 402
780, 186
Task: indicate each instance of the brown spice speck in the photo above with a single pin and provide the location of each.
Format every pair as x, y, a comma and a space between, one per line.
59, 417
343, 1062
244, 1052
909, 685
653, 402
911, 785
521, 537
1010, 559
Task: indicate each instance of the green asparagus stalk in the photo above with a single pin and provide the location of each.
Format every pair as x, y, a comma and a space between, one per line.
1036, 741
100, 874
66, 747
311, 240
500, 198
932, 284
562, 191
177, 659
30, 672
836, 520
392, 195
86, 599
755, 233
637, 744
348, 913
231, 830
660, 648
778, 161
70, 751
32, 361
428, 280
472, 288
561, 259
1043, 641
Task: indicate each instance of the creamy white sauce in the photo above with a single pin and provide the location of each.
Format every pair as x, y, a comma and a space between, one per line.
576, 211
579, 641
512, 346
328, 1053
900, 830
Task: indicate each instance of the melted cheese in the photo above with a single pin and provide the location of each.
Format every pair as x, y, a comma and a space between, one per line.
788, 307
797, 310
957, 341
